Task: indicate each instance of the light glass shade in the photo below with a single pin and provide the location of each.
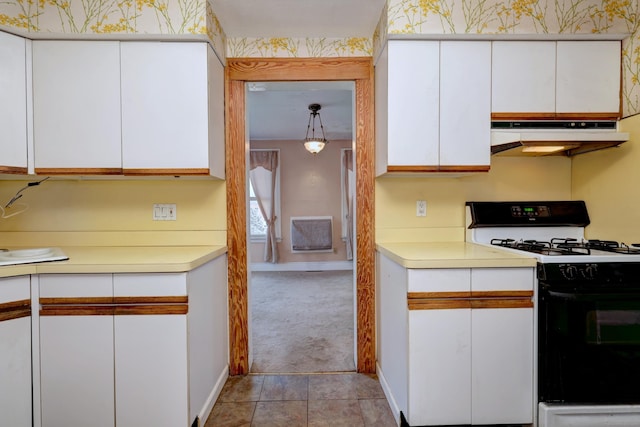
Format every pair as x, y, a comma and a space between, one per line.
314, 146
548, 149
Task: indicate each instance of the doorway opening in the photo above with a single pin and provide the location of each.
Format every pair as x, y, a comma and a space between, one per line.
301, 283
238, 73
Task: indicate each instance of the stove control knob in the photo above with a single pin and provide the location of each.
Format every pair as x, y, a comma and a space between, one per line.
590, 271
570, 272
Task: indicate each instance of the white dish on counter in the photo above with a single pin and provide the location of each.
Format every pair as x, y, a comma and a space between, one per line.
28, 256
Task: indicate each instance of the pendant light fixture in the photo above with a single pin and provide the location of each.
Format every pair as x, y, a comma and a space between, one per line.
314, 144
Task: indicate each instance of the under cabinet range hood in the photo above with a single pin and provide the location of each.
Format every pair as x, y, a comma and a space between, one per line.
544, 138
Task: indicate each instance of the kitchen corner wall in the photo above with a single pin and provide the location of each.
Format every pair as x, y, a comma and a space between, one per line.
609, 182
510, 178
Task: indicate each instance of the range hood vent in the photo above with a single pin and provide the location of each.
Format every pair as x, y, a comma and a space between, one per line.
557, 137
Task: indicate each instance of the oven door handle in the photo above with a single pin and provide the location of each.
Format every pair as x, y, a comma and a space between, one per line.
590, 296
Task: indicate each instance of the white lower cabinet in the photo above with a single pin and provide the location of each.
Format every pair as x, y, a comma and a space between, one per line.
469, 344
115, 349
151, 385
15, 352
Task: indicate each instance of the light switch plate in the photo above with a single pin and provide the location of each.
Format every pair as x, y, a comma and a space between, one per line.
164, 212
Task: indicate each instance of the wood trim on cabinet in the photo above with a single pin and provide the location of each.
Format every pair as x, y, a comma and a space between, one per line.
438, 295
78, 171
151, 309
167, 172
178, 299
501, 303
501, 294
107, 306
439, 304
13, 170
239, 71
464, 299
15, 309
431, 169
464, 168
76, 301
411, 169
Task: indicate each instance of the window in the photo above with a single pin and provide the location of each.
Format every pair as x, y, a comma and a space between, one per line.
257, 223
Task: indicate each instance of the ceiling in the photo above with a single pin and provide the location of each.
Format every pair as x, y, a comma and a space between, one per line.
298, 18
280, 110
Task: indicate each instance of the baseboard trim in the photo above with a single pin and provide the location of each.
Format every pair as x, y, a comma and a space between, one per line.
387, 392
213, 396
302, 266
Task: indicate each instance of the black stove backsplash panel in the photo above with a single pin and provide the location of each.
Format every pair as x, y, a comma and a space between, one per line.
571, 213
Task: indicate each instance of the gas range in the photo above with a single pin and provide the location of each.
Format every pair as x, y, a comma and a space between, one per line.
586, 313
551, 231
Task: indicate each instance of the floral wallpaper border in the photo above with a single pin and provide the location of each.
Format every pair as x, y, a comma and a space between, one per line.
197, 17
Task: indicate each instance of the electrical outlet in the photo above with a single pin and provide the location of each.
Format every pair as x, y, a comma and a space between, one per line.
164, 212
421, 208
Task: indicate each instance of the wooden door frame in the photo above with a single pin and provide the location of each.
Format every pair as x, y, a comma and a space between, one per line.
239, 71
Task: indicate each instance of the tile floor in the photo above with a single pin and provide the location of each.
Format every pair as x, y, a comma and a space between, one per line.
302, 400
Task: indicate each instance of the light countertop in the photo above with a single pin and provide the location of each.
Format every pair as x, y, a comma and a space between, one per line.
125, 259
451, 255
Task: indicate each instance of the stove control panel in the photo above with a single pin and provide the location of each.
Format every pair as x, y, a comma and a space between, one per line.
519, 211
579, 271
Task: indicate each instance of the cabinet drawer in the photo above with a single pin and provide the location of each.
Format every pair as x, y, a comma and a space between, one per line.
75, 285
15, 289
439, 280
502, 279
150, 284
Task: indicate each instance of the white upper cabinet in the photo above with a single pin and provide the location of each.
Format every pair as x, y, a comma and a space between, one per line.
523, 77
433, 106
170, 124
76, 103
588, 77
549, 79
465, 105
413, 109
13, 104
128, 108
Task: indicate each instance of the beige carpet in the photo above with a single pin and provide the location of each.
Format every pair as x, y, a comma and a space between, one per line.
302, 322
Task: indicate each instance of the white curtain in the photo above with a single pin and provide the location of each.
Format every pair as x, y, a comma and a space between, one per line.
347, 191
262, 173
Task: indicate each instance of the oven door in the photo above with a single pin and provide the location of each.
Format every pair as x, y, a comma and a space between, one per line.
589, 346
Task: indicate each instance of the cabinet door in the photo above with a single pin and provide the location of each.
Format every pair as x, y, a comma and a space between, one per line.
164, 108
76, 354
523, 77
465, 103
13, 104
76, 103
439, 351
15, 352
151, 370
502, 366
588, 77
413, 103
502, 341
439, 367
151, 365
